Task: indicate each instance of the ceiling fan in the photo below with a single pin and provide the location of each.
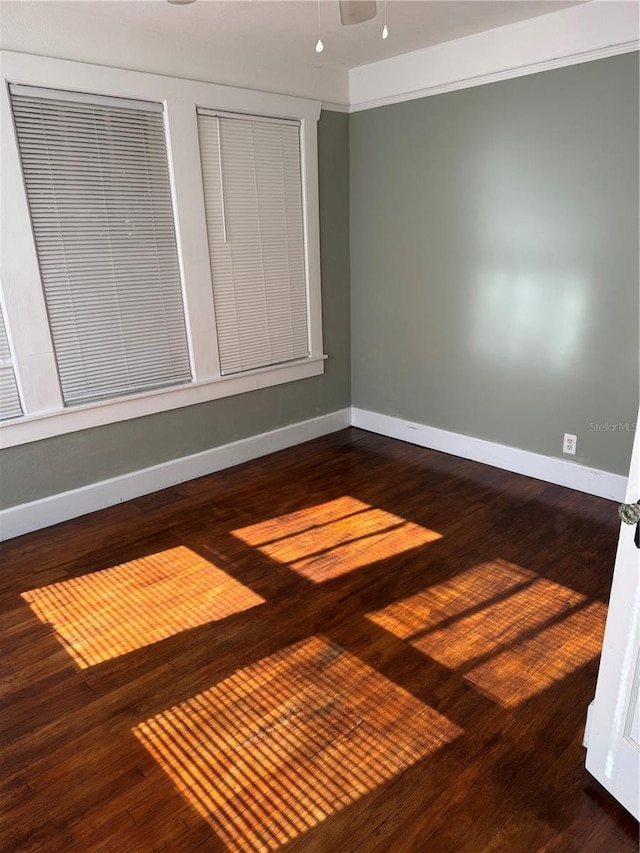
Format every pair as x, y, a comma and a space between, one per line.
351, 11
357, 11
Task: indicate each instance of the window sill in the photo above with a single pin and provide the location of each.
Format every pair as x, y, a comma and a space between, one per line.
48, 424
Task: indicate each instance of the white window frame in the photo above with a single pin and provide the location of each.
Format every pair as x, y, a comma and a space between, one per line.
26, 316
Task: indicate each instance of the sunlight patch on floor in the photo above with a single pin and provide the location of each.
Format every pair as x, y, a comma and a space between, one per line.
546, 657
286, 742
510, 632
101, 615
326, 541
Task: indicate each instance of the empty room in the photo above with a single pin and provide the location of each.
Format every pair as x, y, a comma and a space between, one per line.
319, 392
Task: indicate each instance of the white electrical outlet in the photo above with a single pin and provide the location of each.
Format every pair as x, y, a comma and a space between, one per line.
569, 444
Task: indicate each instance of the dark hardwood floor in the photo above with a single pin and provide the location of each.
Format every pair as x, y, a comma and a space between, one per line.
352, 645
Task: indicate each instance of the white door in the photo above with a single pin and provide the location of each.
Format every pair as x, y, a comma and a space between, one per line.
613, 722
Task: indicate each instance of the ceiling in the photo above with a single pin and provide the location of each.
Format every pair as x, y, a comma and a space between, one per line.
279, 29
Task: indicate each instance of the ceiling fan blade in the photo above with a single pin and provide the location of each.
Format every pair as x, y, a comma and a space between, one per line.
357, 11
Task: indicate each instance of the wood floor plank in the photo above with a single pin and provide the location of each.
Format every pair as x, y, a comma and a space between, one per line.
351, 645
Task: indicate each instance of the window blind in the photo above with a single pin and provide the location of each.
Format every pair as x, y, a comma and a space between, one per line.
99, 195
10, 406
253, 199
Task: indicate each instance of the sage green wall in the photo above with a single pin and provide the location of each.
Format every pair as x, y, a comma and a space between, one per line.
494, 255
67, 462
494, 260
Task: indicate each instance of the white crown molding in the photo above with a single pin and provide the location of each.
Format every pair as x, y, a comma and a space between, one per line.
582, 33
561, 472
508, 74
35, 515
335, 107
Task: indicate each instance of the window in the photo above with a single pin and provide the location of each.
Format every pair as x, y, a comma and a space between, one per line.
97, 183
253, 200
160, 244
9, 398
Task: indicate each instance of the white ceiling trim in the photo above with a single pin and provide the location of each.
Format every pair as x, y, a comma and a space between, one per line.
336, 108
454, 86
579, 34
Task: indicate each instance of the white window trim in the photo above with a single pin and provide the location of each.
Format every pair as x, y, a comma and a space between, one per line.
26, 317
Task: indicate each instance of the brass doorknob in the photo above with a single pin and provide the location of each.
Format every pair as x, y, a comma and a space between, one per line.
629, 513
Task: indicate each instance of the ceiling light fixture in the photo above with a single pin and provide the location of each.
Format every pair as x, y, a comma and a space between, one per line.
357, 11
180, 2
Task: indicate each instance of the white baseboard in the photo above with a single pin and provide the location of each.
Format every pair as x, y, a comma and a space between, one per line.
35, 515
27, 517
558, 471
